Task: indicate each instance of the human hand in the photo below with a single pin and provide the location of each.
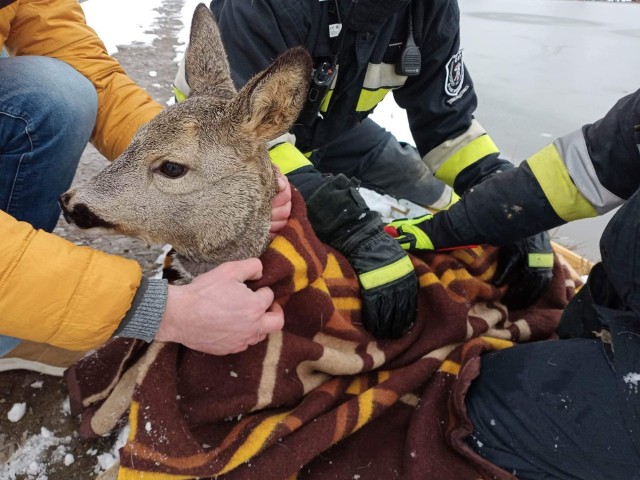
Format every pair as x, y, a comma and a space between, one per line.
281, 204
526, 266
218, 314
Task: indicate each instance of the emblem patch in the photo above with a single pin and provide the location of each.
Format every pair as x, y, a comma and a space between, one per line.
455, 75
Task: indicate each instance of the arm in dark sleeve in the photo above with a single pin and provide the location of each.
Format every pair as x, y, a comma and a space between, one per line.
255, 32
440, 103
583, 174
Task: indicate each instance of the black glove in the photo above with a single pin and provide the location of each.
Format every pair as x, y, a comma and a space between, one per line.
389, 284
526, 266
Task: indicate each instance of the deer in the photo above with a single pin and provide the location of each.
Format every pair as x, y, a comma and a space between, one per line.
198, 176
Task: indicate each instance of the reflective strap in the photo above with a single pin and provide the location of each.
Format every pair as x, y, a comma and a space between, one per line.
436, 157
472, 152
382, 75
288, 158
454, 199
552, 176
325, 102
180, 97
387, 274
574, 152
181, 88
448, 198
285, 137
370, 98
541, 260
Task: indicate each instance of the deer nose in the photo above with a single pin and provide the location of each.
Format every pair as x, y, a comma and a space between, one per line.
80, 214
64, 199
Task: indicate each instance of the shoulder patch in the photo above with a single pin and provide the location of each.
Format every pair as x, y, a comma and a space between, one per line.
455, 75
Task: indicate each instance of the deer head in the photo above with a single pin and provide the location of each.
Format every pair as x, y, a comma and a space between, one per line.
198, 176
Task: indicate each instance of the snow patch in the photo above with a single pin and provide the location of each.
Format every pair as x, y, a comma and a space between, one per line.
17, 412
632, 379
27, 460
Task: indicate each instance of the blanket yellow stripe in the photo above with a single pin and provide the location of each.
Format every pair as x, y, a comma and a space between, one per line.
451, 276
285, 248
255, 442
346, 303
133, 420
354, 387
128, 474
321, 285
498, 343
365, 408
450, 367
427, 279
332, 270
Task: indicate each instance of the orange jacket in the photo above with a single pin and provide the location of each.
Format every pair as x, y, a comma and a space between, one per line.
50, 289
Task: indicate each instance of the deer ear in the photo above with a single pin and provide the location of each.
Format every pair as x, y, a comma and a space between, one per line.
206, 64
268, 105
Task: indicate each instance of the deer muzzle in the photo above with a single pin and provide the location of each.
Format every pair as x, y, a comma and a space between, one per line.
80, 214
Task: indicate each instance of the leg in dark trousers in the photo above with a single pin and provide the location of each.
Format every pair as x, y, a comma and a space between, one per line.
549, 410
570, 409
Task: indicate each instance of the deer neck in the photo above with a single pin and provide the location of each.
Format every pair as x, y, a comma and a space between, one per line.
187, 269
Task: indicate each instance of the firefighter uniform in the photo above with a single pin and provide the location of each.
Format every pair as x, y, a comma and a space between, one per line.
586, 385
363, 43
439, 101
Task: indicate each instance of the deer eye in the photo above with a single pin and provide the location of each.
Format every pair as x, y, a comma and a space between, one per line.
172, 170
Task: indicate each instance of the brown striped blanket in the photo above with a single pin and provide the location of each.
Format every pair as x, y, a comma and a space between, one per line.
322, 398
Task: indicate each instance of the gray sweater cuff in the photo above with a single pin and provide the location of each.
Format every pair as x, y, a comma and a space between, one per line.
143, 318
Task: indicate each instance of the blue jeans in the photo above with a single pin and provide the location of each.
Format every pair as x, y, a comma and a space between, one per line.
47, 113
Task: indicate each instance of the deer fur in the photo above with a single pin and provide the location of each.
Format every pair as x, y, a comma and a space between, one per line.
219, 209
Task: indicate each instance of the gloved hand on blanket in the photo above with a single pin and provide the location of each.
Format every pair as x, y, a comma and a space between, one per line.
389, 285
525, 265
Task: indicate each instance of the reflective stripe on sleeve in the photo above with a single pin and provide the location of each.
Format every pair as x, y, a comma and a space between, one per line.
552, 176
370, 98
463, 157
573, 150
383, 75
378, 81
288, 158
386, 274
181, 88
437, 156
324, 106
180, 97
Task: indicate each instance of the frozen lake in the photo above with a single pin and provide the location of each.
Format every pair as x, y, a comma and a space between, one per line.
543, 68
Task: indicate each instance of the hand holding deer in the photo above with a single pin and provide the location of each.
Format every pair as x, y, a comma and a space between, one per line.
281, 205
220, 298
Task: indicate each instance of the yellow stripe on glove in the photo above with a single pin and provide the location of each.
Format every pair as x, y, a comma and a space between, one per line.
409, 235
